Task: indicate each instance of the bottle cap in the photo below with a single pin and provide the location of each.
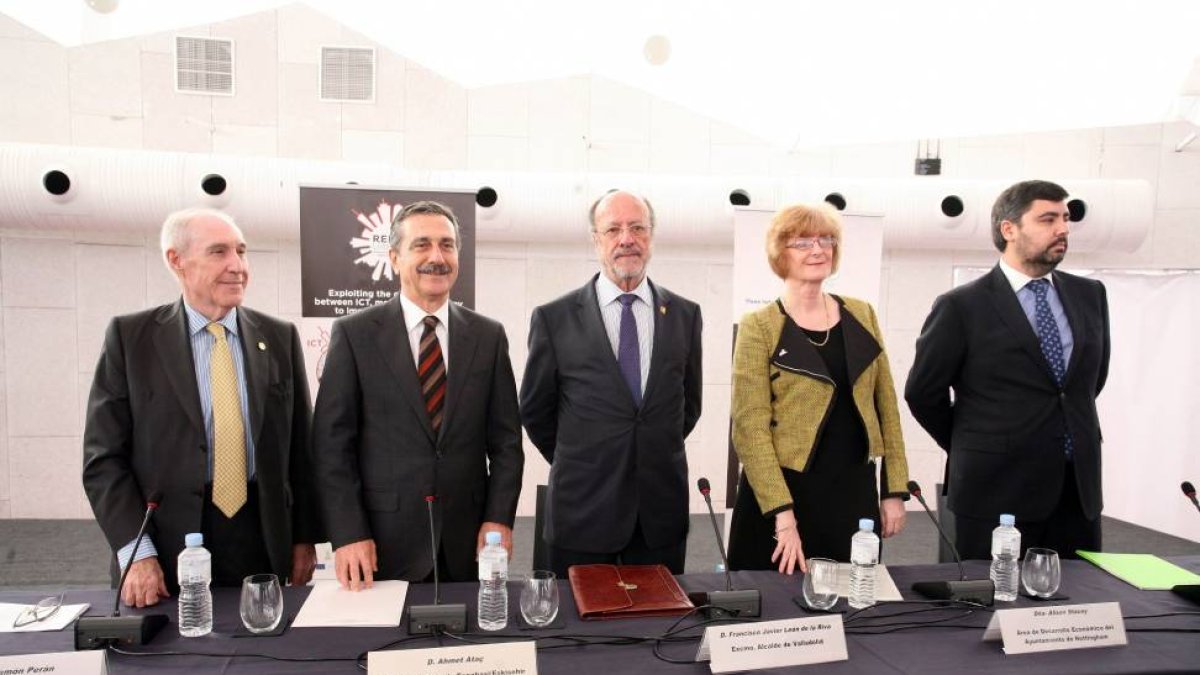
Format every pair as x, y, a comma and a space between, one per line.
194, 539
1007, 519
866, 524
492, 537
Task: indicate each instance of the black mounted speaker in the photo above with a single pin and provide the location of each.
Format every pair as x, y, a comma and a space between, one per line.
486, 197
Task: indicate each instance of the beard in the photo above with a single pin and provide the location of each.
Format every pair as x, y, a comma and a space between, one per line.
1046, 260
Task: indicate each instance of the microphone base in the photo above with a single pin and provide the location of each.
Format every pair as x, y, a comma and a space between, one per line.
726, 604
981, 591
427, 619
94, 632
1188, 591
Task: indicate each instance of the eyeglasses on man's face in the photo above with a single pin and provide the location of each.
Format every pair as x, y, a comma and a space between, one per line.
44, 609
611, 232
807, 243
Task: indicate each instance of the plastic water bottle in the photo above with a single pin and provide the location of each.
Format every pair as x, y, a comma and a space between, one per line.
195, 598
493, 587
864, 555
1006, 552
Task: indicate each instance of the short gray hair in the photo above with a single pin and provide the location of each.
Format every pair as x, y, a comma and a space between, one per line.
596, 206
432, 208
175, 234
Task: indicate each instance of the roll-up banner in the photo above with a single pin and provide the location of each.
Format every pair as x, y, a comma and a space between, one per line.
344, 265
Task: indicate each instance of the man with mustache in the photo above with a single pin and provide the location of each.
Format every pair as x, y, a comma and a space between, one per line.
417, 399
206, 402
611, 389
1025, 351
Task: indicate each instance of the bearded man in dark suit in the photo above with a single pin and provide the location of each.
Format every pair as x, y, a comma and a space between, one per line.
1025, 351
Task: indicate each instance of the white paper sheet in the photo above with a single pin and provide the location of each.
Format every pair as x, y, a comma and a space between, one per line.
885, 587
330, 605
64, 617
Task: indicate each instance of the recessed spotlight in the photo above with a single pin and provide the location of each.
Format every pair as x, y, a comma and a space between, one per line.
103, 6
657, 50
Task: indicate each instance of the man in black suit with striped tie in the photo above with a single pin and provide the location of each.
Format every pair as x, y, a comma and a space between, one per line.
417, 399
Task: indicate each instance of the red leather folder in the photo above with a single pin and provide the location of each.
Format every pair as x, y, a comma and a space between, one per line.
626, 591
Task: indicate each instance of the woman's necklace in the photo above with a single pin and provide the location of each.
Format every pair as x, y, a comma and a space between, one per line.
828, 326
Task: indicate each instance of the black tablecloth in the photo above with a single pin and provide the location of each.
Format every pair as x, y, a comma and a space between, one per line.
929, 651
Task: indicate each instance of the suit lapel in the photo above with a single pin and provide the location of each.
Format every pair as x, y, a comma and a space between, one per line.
1008, 308
172, 343
861, 347
666, 334
794, 353
256, 369
1065, 289
463, 345
392, 340
587, 308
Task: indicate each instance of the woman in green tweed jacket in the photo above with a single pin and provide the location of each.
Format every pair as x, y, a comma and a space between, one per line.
814, 407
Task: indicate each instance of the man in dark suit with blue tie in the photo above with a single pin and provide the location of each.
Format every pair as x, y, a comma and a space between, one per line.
1025, 350
611, 390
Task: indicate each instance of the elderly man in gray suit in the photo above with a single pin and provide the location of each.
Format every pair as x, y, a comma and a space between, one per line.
206, 402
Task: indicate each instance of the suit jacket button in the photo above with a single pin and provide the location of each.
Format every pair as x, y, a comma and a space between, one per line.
774, 424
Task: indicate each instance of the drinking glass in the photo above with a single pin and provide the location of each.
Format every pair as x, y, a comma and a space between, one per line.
262, 603
539, 598
1040, 573
821, 583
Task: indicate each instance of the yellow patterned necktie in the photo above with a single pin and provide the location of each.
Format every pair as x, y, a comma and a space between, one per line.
229, 436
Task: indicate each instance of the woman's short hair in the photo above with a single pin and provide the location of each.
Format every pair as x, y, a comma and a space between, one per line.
801, 220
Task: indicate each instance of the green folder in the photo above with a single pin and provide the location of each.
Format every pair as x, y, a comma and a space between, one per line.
1141, 570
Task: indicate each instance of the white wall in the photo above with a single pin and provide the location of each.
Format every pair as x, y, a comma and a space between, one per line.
57, 292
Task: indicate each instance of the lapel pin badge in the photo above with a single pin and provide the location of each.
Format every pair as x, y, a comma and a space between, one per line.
262, 346
662, 309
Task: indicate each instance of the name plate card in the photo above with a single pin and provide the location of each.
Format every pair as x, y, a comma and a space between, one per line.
510, 658
1048, 629
774, 644
62, 663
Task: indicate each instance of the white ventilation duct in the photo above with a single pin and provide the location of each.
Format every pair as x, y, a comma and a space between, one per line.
131, 191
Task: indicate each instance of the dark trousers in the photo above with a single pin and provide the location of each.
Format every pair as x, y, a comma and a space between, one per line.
236, 543
636, 552
443, 572
1065, 530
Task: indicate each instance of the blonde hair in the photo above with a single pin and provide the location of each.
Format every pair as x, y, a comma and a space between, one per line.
801, 220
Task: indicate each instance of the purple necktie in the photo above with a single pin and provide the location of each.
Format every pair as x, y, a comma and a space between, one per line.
629, 357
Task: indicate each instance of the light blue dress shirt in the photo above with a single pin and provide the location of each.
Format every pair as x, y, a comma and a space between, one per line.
643, 313
1020, 285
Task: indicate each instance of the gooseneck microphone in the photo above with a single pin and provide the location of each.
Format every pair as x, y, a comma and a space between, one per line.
727, 602
436, 618
1189, 591
981, 591
151, 507
93, 632
1190, 491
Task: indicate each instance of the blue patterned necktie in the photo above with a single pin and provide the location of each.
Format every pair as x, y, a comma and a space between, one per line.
629, 357
1050, 339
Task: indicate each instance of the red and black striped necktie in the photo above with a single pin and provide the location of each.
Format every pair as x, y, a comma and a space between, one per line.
431, 373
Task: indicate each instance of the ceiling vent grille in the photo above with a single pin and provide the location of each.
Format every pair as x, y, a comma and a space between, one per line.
204, 65
348, 74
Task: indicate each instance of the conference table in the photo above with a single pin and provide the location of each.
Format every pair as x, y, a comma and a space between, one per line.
1157, 644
